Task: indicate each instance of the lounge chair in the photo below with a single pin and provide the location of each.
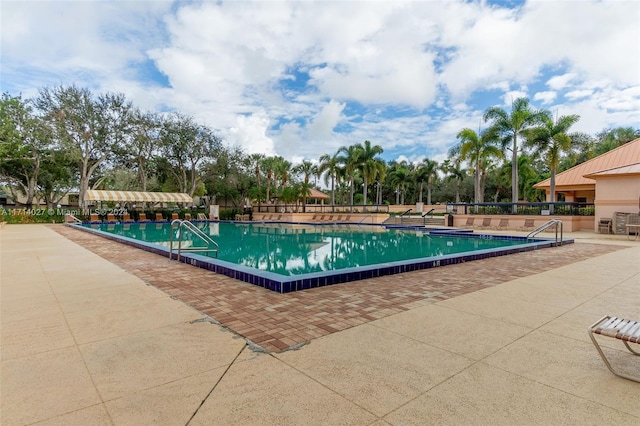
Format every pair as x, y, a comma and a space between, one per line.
503, 225
159, 217
187, 216
174, 216
529, 224
143, 218
486, 223
126, 218
470, 221
111, 218
201, 216
94, 218
628, 331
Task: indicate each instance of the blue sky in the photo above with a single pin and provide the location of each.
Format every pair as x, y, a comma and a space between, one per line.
302, 78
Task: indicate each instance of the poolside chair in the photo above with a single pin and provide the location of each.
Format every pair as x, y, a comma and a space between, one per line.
470, 221
503, 225
111, 217
174, 216
187, 216
126, 218
143, 218
159, 217
529, 224
628, 331
201, 216
94, 218
486, 223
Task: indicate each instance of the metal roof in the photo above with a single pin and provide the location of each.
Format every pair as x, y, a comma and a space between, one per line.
625, 155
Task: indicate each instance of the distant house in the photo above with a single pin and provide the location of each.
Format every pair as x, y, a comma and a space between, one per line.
611, 181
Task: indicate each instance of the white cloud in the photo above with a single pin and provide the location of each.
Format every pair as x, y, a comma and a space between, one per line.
250, 133
559, 82
321, 126
577, 94
512, 95
406, 75
546, 97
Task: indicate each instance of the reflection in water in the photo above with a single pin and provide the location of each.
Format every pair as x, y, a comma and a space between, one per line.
298, 249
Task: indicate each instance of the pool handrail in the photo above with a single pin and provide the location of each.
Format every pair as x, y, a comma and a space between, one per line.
74, 219
547, 225
182, 224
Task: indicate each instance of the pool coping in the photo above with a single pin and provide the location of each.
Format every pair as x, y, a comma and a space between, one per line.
286, 284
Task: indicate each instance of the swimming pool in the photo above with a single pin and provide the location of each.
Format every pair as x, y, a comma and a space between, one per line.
290, 257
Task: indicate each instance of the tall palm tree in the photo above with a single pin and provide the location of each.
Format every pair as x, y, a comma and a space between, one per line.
350, 160
427, 171
550, 140
369, 164
510, 126
478, 150
306, 168
382, 175
268, 165
400, 176
331, 165
454, 172
256, 162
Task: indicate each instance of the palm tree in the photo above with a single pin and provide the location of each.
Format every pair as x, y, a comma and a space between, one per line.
477, 149
369, 164
306, 168
268, 165
550, 140
350, 160
256, 162
399, 177
331, 165
453, 172
382, 175
427, 171
509, 126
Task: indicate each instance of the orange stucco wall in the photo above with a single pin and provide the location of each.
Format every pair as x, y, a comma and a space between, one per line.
617, 194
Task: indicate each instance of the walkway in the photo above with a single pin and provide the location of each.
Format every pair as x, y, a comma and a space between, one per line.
86, 342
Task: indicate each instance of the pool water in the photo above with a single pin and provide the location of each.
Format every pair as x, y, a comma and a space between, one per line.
290, 257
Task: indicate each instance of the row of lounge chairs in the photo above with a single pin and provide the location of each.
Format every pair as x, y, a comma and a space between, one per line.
487, 223
331, 218
142, 217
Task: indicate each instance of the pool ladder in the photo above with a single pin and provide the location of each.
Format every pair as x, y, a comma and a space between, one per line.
180, 225
553, 222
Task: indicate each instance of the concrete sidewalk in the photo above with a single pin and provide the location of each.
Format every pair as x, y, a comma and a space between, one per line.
84, 342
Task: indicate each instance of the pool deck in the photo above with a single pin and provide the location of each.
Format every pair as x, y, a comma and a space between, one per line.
94, 332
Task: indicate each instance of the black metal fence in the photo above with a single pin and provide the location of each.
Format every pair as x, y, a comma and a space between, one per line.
533, 209
320, 208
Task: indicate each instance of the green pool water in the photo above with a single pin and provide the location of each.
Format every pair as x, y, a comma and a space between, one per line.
289, 249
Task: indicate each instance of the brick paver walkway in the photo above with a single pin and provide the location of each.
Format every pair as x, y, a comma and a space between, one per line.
278, 321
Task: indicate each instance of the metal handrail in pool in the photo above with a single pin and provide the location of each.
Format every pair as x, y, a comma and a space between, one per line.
547, 225
182, 224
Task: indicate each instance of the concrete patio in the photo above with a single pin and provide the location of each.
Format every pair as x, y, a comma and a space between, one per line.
85, 342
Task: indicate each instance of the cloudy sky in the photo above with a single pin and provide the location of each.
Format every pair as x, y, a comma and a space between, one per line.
302, 78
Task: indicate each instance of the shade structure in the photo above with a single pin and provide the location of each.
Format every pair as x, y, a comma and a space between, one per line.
314, 193
149, 197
